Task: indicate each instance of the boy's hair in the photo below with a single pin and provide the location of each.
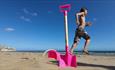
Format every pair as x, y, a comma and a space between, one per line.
83, 9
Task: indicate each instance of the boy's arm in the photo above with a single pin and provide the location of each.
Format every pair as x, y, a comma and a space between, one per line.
77, 17
88, 24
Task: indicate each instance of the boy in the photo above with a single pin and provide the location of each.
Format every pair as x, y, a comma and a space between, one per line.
80, 32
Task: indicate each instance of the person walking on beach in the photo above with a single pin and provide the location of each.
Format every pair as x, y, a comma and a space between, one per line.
80, 31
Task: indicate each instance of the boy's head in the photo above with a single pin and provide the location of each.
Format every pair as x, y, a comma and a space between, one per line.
84, 10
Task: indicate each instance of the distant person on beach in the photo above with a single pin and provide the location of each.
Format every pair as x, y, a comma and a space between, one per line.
80, 31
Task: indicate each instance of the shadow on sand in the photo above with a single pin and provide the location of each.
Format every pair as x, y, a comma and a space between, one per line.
96, 65
89, 65
54, 62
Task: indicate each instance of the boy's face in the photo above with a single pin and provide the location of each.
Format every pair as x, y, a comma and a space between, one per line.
85, 12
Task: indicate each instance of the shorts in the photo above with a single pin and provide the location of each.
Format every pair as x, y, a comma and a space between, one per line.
80, 34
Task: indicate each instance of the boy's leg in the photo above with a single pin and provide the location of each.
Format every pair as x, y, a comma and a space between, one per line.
86, 45
87, 38
76, 41
73, 47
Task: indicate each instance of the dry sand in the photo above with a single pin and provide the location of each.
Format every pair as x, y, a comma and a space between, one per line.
35, 61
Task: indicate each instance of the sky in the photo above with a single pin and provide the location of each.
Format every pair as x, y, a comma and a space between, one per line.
39, 24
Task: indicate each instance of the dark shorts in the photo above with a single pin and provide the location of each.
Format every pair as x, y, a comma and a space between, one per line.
81, 34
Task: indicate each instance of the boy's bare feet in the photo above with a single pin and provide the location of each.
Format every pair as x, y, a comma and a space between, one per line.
85, 52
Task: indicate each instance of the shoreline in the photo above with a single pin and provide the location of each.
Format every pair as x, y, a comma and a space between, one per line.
94, 53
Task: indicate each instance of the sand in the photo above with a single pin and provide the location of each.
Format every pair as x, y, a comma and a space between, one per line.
35, 61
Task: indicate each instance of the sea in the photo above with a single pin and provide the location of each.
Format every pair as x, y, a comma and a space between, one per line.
99, 53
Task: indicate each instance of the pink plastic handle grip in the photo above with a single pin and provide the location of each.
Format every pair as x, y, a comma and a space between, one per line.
65, 7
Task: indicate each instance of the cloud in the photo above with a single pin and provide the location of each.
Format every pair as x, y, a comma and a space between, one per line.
34, 14
94, 19
9, 29
29, 12
27, 15
25, 18
50, 11
25, 11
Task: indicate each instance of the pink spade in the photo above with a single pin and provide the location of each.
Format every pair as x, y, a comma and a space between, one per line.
67, 59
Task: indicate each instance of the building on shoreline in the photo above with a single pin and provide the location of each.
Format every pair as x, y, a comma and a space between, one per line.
6, 48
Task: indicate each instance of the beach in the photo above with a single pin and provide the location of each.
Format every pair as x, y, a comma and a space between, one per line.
36, 61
